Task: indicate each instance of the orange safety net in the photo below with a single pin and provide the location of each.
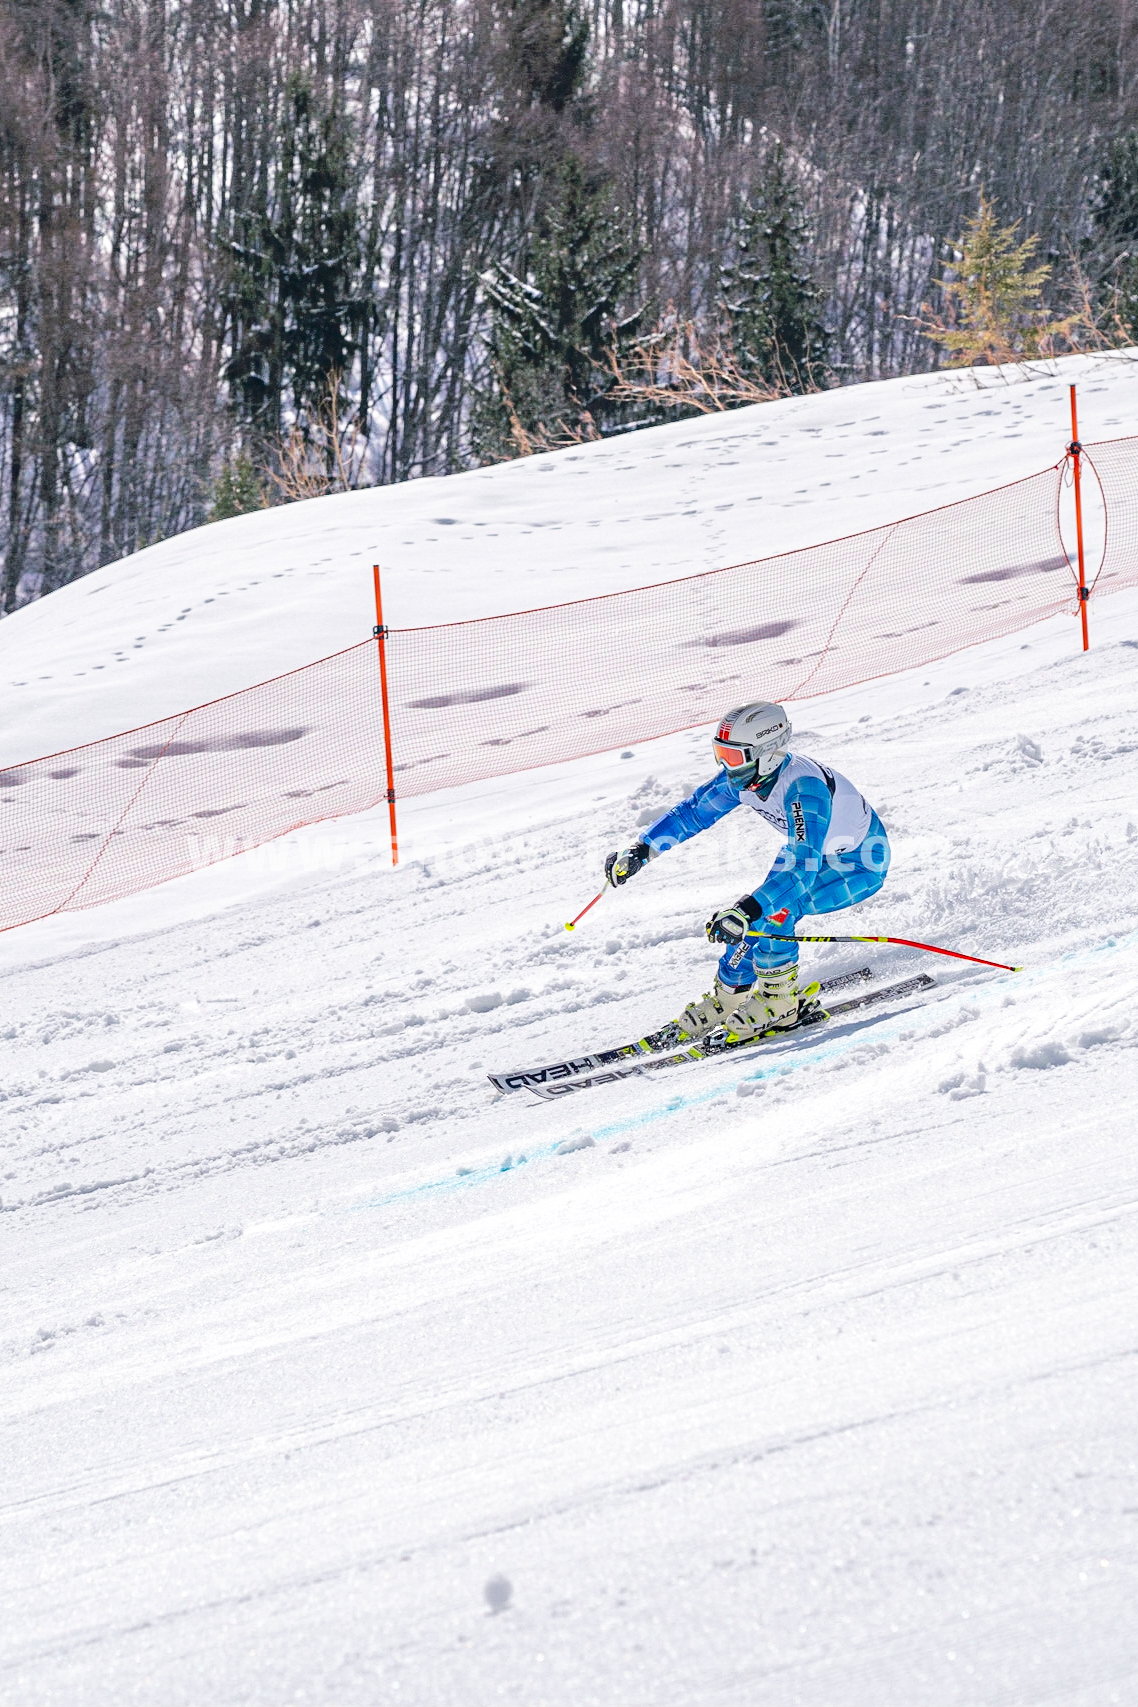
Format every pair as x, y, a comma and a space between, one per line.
1112, 548
481, 698
476, 699
116, 816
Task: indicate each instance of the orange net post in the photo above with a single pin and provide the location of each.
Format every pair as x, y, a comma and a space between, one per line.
381, 633
1075, 451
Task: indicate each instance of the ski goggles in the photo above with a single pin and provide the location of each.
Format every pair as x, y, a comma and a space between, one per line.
733, 758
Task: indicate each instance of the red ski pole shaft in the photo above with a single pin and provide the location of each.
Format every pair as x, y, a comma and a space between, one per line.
584, 910
900, 941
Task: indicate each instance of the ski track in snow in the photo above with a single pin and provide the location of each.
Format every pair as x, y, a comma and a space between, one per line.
801, 1379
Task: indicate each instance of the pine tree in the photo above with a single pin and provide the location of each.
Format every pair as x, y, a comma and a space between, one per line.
785, 24
551, 330
996, 310
772, 304
545, 54
237, 490
295, 307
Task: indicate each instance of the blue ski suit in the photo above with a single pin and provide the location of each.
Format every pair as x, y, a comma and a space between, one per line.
836, 852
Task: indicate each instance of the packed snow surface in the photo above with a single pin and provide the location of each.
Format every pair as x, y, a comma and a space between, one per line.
806, 1378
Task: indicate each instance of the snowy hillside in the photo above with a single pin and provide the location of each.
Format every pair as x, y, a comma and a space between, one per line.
222, 607
805, 1379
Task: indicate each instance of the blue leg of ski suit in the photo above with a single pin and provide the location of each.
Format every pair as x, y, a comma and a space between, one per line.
804, 879
803, 892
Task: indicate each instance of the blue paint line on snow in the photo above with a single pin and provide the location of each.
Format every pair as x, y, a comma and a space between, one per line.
820, 1053
817, 1054
484, 1175
462, 1179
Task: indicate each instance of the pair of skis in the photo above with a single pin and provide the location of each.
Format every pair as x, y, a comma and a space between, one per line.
649, 1054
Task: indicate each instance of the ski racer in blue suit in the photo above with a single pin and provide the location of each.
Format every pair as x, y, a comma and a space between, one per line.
835, 854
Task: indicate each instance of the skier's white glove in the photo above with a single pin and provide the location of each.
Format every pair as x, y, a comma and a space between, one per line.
731, 924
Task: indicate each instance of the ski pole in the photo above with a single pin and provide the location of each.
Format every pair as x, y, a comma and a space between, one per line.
584, 910
903, 942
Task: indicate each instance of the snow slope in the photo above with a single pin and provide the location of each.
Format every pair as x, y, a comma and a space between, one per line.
806, 1380
219, 608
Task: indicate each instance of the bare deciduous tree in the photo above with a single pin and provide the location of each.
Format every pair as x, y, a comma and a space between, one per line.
170, 242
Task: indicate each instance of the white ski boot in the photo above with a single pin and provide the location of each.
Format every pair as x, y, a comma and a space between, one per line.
700, 1019
773, 1004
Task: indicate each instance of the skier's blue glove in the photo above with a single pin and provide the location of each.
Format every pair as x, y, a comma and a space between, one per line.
731, 924
619, 867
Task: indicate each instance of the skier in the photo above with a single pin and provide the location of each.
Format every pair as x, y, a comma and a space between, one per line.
836, 853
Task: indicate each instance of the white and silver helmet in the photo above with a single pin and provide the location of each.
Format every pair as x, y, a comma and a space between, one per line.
751, 741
